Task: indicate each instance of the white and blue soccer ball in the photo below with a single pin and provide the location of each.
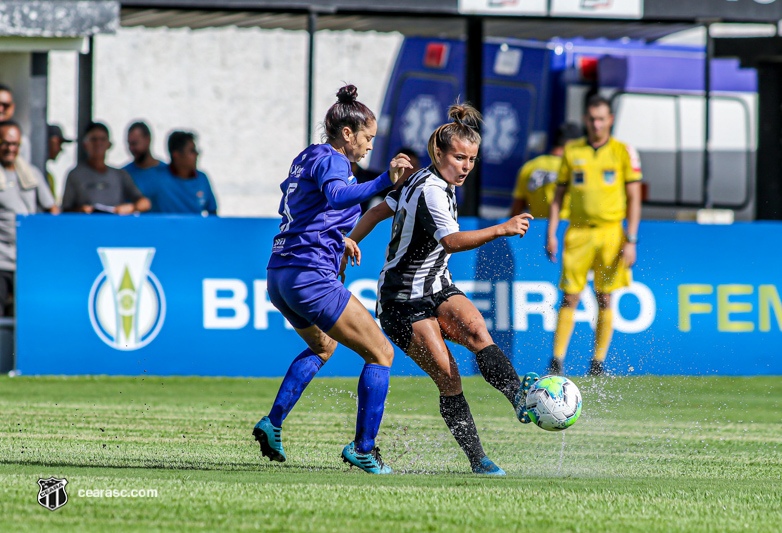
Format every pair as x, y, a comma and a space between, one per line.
554, 403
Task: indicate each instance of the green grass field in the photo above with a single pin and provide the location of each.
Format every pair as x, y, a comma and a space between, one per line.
648, 454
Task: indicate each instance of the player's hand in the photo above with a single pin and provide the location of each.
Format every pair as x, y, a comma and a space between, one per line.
629, 253
517, 225
86, 209
352, 252
551, 249
398, 166
124, 209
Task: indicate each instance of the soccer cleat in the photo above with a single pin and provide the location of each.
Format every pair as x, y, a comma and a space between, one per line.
488, 468
368, 462
268, 436
520, 401
596, 368
555, 367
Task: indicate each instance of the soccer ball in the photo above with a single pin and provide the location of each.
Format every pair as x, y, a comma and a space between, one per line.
554, 403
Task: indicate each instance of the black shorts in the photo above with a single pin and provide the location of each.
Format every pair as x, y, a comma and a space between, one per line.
397, 317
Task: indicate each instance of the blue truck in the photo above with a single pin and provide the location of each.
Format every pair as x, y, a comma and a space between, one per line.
531, 87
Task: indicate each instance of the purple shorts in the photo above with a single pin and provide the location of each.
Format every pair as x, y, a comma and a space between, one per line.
305, 296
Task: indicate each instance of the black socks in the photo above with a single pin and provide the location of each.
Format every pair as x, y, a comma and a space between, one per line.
458, 418
498, 371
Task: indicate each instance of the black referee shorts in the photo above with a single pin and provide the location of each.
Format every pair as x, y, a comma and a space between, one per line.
397, 316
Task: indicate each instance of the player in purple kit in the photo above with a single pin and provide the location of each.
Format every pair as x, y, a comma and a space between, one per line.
320, 206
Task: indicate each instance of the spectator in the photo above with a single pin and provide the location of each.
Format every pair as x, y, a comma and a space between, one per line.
23, 191
94, 186
144, 167
56, 140
7, 110
182, 188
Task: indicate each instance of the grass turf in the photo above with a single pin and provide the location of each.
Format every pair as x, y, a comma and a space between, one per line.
649, 454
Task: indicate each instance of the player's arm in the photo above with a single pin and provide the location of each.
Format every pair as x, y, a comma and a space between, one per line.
554, 209
370, 219
462, 241
633, 192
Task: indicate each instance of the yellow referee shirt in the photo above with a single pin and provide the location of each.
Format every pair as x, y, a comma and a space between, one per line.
596, 180
537, 184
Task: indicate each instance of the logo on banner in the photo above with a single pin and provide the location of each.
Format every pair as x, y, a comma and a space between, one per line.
420, 119
52, 493
596, 4
500, 132
127, 306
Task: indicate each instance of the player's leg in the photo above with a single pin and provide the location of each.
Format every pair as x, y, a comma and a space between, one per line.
577, 258
357, 330
461, 322
611, 273
566, 320
603, 333
268, 431
428, 350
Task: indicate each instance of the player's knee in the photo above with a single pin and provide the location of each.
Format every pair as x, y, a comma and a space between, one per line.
603, 301
385, 355
570, 300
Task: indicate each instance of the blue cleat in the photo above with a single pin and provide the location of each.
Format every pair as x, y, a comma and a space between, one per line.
268, 436
520, 401
488, 468
368, 462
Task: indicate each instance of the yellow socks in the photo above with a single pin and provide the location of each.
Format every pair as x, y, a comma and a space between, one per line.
603, 333
565, 324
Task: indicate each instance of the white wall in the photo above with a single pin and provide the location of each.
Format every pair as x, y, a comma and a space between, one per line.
243, 91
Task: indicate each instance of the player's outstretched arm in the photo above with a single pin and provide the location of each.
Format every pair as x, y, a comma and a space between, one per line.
553, 223
462, 241
371, 219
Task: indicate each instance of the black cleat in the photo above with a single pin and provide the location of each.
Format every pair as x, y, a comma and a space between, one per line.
596, 368
554, 367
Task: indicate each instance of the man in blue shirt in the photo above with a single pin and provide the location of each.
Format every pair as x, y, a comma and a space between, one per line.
144, 168
180, 187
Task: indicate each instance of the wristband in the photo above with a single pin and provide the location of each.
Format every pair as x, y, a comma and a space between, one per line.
632, 239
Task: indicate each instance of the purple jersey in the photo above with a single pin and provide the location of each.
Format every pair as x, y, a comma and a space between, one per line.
320, 205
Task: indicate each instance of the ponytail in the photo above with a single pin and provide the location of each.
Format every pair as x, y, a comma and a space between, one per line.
465, 126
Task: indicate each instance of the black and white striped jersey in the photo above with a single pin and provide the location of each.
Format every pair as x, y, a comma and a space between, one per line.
416, 263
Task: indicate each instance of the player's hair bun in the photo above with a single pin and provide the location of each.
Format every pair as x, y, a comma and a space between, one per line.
347, 94
465, 114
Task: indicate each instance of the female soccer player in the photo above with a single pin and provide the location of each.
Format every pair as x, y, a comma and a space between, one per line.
418, 304
320, 205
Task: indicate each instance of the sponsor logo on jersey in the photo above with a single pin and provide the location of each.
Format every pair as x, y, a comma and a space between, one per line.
127, 305
578, 177
52, 493
609, 177
540, 178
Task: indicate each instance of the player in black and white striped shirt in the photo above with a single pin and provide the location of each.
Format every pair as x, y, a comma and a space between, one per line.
418, 304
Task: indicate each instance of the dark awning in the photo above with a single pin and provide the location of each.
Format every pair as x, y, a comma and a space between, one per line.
446, 27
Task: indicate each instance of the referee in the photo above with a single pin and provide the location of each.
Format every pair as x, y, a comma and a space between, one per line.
603, 177
536, 183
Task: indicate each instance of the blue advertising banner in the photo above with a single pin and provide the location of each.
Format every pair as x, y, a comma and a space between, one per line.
167, 295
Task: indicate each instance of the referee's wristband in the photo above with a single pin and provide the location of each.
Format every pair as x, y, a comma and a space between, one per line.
632, 239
